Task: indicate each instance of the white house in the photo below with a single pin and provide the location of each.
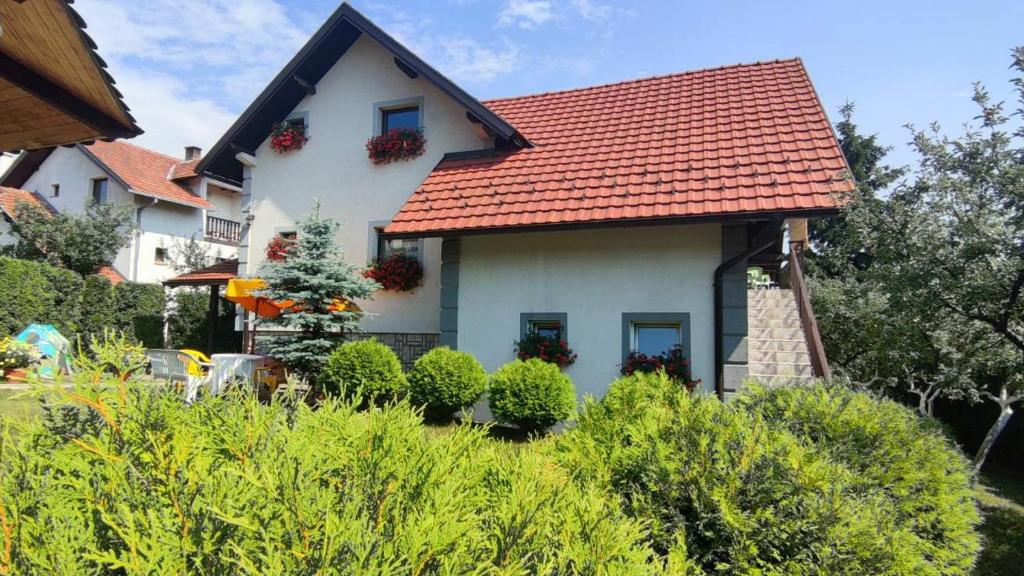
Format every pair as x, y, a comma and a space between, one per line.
171, 203
620, 217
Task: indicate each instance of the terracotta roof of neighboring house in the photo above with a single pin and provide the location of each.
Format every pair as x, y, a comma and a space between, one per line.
740, 139
110, 273
145, 172
184, 170
9, 198
215, 275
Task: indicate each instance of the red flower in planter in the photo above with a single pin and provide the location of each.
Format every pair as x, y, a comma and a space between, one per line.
673, 363
546, 348
285, 137
278, 247
398, 272
396, 144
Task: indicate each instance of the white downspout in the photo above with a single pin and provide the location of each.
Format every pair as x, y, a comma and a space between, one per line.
248, 162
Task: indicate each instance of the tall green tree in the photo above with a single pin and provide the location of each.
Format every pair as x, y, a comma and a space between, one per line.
314, 275
947, 258
80, 242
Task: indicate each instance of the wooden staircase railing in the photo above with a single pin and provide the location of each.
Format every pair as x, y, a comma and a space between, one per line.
819, 363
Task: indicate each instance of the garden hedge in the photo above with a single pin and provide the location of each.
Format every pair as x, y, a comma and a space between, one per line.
36, 292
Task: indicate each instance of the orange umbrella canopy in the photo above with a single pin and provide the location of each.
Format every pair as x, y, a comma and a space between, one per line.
241, 292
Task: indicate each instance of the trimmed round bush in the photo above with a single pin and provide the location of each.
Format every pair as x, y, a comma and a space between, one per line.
531, 394
365, 368
445, 381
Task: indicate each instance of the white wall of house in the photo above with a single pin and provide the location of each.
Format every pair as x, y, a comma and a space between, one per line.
6, 160
161, 225
593, 276
333, 167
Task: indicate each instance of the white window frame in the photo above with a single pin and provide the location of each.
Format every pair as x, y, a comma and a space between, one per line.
380, 107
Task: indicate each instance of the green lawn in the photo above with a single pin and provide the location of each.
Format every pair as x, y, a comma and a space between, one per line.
17, 407
1001, 495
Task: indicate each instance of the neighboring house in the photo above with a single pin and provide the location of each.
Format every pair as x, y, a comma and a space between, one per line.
621, 217
171, 203
6, 161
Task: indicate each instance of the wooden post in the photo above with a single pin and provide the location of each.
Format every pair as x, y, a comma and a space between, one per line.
211, 317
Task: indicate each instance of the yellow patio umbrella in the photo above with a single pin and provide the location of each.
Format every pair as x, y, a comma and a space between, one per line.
241, 292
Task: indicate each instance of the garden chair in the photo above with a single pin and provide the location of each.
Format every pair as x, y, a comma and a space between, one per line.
179, 367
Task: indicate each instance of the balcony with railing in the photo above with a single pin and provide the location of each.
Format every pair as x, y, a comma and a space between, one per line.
223, 230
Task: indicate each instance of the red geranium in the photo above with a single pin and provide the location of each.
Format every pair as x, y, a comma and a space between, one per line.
546, 348
673, 363
398, 272
396, 144
278, 247
285, 137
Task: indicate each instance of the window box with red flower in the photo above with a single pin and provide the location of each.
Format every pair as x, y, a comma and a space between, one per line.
675, 365
288, 136
279, 245
547, 348
398, 272
396, 144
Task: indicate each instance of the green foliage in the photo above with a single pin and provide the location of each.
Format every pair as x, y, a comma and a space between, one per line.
748, 493
890, 451
314, 275
444, 381
139, 310
79, 242
25, 294
531, 394
232, 486
187, 323
98, 308
366, 369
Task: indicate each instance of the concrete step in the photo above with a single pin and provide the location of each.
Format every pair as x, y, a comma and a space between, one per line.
771, 381
772, 322
786, 333
780, 369
790, 313
793, 357
771, 346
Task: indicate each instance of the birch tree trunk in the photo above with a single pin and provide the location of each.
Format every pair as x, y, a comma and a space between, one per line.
1005, 402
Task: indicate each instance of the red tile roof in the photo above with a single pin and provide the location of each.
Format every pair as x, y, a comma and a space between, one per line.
184, 170
217, 274
146, 172
740, 139
110, 273
10, 197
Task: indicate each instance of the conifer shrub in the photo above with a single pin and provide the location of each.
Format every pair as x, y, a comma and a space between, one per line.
744, 494
232, 486
364, 368
445, 381
892, 452
531, 394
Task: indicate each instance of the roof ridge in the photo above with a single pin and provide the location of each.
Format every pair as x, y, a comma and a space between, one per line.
150, 150
795, 59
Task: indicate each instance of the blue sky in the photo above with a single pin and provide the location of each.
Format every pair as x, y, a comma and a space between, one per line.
188, 67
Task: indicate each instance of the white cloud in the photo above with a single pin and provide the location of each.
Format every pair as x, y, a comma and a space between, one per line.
187, 67
526, 14
465, 60
592, 11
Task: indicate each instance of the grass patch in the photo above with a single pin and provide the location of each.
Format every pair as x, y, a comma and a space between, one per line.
17, 406
1001, 495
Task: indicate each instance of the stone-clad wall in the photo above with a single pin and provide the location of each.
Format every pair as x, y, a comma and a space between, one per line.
409, 347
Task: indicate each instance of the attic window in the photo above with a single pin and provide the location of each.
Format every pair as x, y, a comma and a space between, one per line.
54, 190
99, 190
407, 117
160, 256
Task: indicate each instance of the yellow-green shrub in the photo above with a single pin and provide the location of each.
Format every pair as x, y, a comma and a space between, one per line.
231, 486
445, 381
531, 394
366, 368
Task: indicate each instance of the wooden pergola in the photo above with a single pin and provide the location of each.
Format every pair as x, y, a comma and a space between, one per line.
214, 277
54, 89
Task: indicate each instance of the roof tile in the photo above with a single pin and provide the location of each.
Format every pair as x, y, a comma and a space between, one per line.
737, 139
146, 172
